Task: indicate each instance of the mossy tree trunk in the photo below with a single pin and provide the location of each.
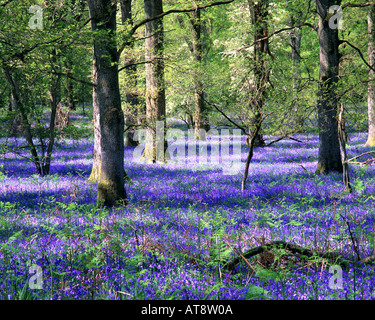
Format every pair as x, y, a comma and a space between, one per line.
371, 85
329, 158
108, 116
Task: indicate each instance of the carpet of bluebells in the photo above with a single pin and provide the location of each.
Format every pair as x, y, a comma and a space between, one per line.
182, 223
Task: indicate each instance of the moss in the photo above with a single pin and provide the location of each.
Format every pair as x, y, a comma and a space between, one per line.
324, 169
321, 168
109, 195
370, 141
153, 159
95, 172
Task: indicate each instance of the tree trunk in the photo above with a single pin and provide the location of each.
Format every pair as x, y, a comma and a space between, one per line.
70, 95
108, 115
371, 85
54, 100
259, 13
344, 157
329, 146
131, 98
16, 125
201, 116
155, 89
295, 45
19, 107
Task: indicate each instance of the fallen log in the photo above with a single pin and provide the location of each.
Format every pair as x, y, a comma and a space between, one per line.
296, 249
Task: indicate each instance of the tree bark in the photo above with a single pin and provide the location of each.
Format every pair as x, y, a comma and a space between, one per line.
371, 85
54, 100
155, 88
329, 147
344, 157
131, 98
259, 13
295, 45
70, 95
19, 107
108, 116
201, 116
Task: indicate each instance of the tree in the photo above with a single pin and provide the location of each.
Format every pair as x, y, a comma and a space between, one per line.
371, 85
155, 88
196, 46
295, 46
131, 97
108, 169
25, 54
259, 13
108, 116
201, 121
329, 158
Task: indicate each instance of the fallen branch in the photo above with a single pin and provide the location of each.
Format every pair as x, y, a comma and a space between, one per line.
361, 155
354, 242
299, 165
291, 247
282, 138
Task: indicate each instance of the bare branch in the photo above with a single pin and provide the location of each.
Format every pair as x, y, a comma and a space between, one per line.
137, 63
361, 155
141, 23
68, 75
286, 136
226, 117
357, 5
359, 52
277, 32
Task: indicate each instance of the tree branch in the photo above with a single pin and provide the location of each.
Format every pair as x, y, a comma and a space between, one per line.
357, 5
226, 117
144, 21
277, 32
68, 75
141, 23
281, 138
359, 52
137, 63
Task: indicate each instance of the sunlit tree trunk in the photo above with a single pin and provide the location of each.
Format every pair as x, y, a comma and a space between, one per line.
329, 148
55, 95
295, 45
108, 116
201, 115
155, 88
371, 85
259, 13
131, 98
